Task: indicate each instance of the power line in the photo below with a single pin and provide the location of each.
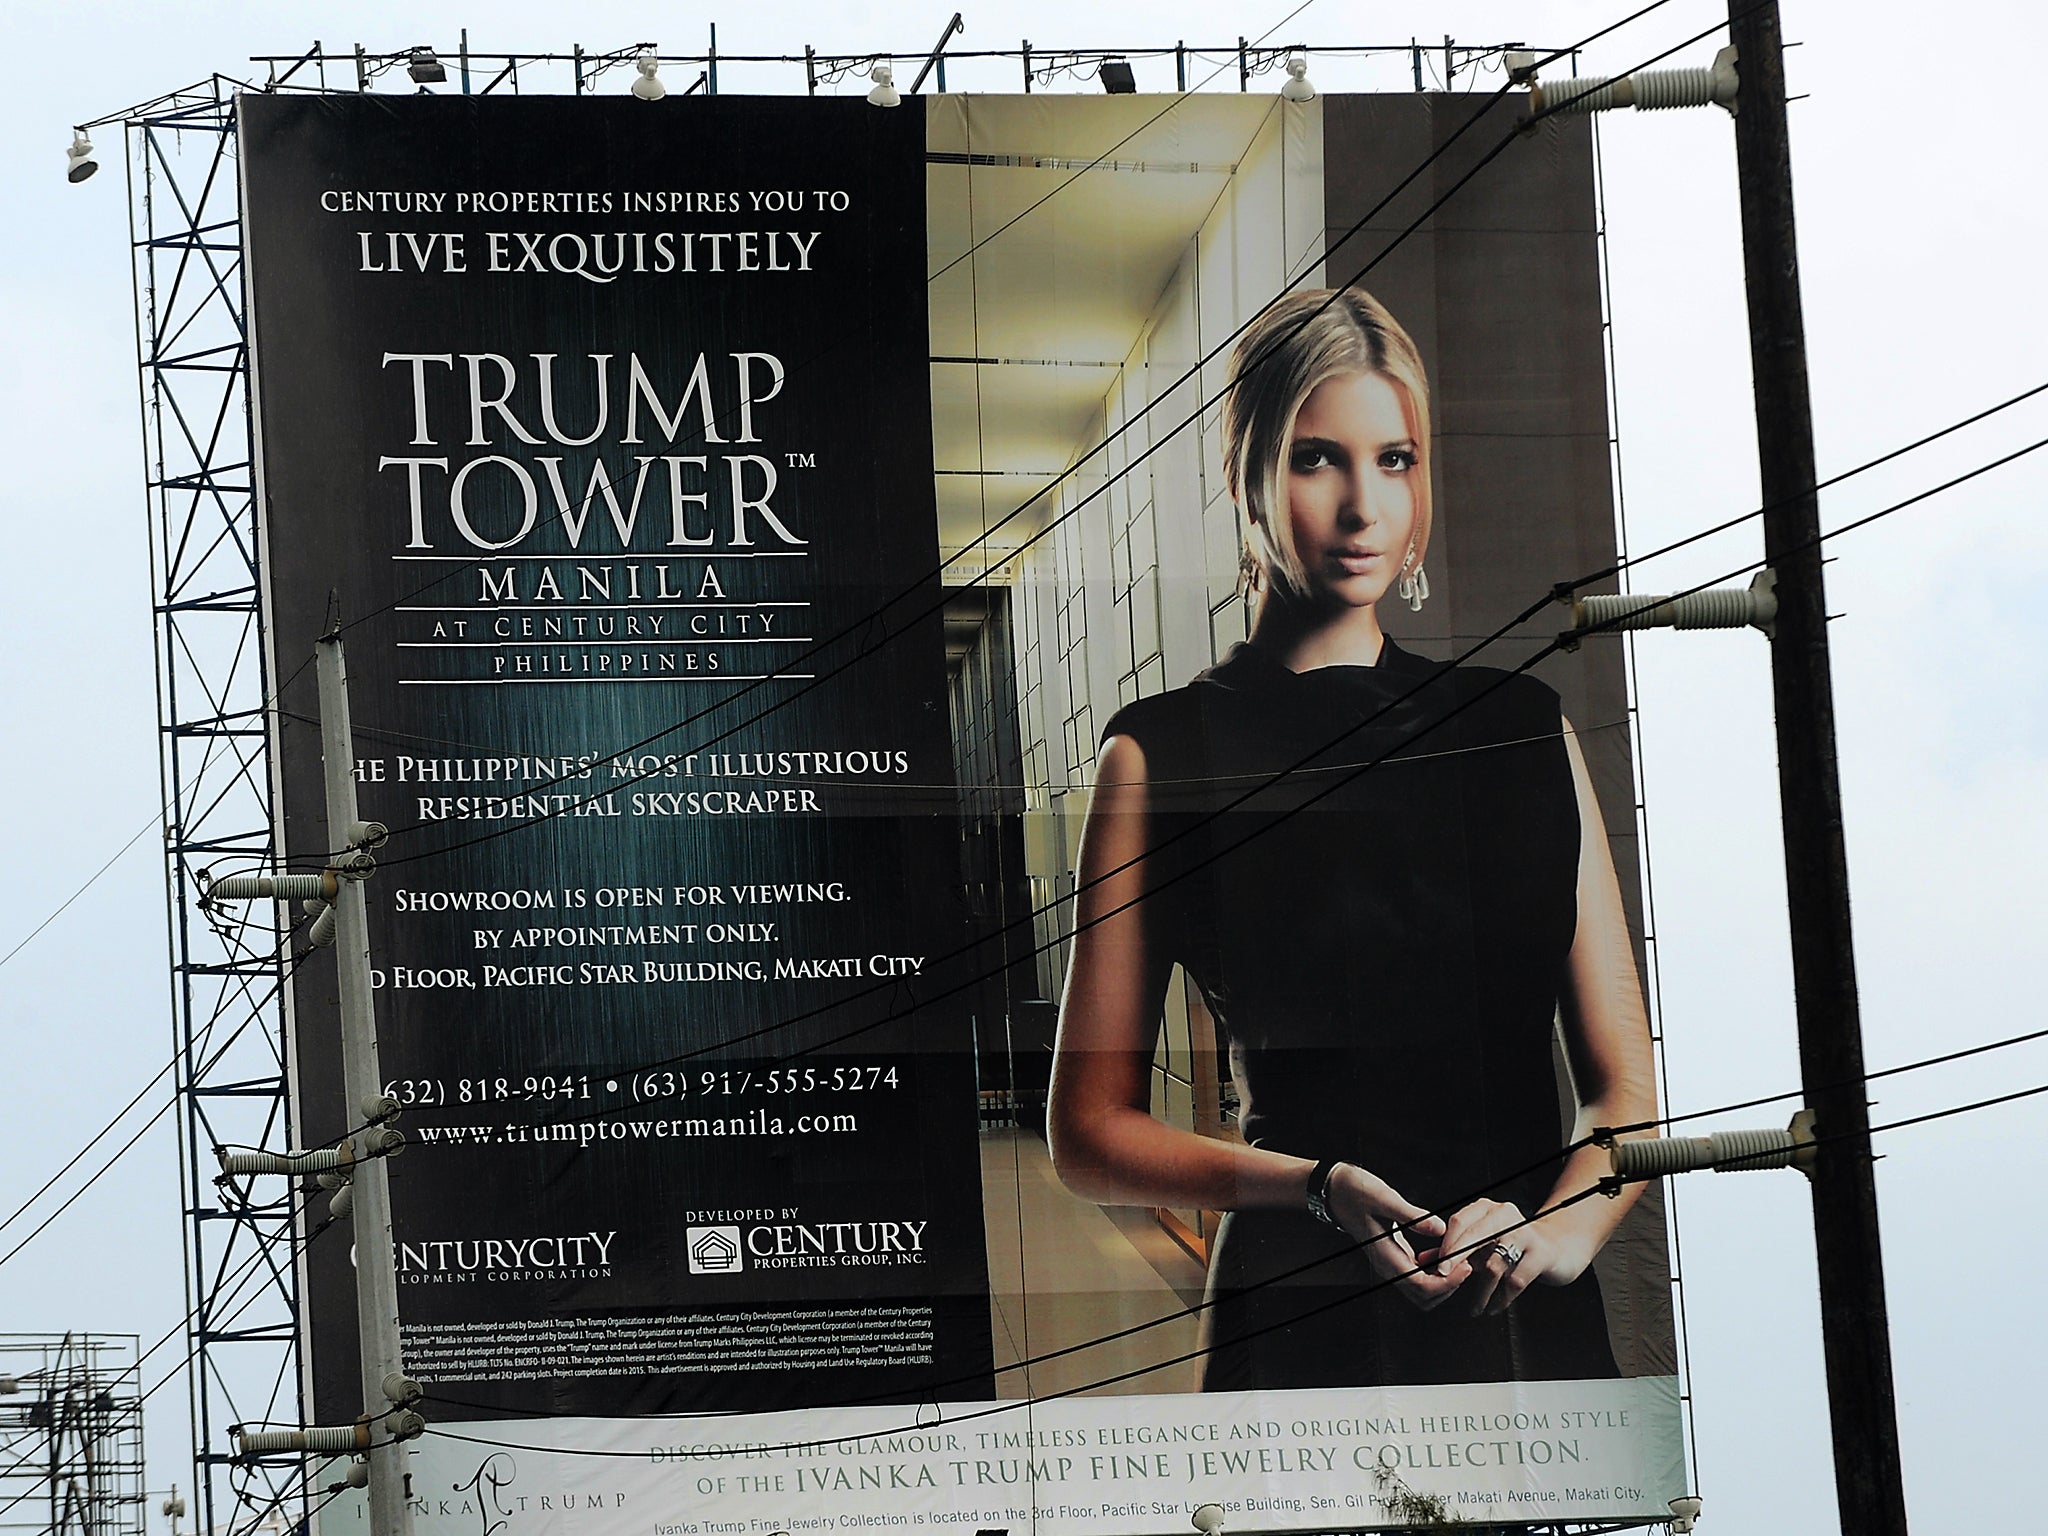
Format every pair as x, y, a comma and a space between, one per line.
43, 1225
1073, 511
155, 820
1868, 1077
1171, 106
1026, 1403
1599, 1135
1820, 485
727, 416
1852, 525
98, 1136
1474, 650
864, 625
1960, 1109
300, 1245
1273, 819
1176, 782
1560, 589
126, 1146
160, 1113
297, 1245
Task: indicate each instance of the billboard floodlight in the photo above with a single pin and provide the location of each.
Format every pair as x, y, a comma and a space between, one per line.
648, 86
884, 92
424, 67
1683, 1513
78, 162
1116, 77
1296, 86
1207, 1518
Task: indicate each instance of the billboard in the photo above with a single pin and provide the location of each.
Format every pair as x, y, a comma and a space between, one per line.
953, 951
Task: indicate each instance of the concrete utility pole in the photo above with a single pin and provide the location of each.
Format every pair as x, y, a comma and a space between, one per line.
376, 1280
355, 1167
1855, 1334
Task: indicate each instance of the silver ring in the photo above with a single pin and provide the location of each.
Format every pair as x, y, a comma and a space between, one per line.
1511, 1252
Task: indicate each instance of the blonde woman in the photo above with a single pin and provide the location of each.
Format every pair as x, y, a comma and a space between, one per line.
1389, 953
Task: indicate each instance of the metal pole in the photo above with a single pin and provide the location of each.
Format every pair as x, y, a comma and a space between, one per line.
363, 1083
936, 59
1855, 1335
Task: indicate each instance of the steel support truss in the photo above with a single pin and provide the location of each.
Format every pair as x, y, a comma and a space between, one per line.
70, 1434
213, 684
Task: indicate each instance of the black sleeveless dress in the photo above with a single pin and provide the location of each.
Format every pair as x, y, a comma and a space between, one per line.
1383, 950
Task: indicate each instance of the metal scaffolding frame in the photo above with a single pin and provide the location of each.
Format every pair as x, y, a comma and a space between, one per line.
71, 1434
242, 1282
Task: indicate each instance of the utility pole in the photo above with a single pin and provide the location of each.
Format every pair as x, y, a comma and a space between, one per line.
356, 1167
376, 1280
1855, 1334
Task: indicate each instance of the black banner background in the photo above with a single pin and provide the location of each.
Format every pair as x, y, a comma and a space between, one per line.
355, 299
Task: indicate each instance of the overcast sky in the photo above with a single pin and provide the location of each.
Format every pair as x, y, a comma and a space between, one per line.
1919, 172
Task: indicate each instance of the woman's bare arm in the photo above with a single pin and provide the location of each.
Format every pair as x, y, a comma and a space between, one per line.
1607, 1034
1106, 1144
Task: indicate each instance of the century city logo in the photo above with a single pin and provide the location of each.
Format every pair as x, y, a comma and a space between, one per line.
547, 1256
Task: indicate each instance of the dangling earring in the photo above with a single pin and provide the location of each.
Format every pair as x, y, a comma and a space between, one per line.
1251, 573
1414, 584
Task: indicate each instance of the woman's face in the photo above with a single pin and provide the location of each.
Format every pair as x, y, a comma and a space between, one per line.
1352, 486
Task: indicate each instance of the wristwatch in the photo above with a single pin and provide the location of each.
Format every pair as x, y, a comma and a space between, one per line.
1319, 1192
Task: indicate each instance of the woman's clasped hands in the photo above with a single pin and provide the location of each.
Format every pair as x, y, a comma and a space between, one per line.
1429, 1259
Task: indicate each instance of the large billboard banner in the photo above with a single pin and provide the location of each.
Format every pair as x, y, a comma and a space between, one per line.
955, 950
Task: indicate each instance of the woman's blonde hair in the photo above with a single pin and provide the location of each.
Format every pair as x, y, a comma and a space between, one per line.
1295, 344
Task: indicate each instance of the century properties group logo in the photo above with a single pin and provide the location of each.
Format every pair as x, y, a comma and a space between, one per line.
756, 1240
714, 1250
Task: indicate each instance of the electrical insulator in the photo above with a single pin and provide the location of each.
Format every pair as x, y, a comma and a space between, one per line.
338, 1440
320, 887
368, 834
1723, 1151
1647, 90
402, 1389
321, 934
319, 1161
1754, 606
383, 1141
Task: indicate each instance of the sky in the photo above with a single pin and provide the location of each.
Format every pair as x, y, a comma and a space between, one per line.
1920, 226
